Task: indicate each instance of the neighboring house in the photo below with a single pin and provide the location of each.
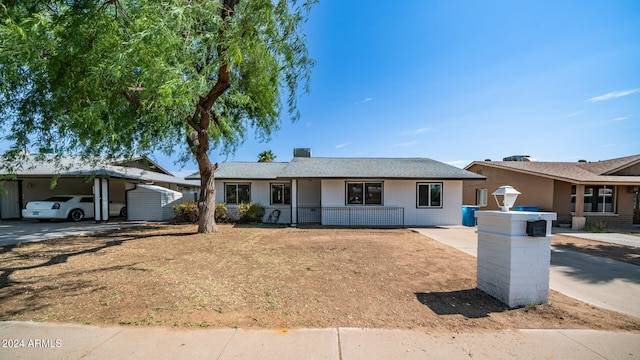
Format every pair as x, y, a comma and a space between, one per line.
367, 192
602, 192
78, 176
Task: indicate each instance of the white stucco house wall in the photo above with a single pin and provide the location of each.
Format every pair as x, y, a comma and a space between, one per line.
351, 192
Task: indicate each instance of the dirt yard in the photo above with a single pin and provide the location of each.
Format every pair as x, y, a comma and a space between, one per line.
269, 278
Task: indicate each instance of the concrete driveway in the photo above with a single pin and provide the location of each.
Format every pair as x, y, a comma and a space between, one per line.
605, 283
19, 231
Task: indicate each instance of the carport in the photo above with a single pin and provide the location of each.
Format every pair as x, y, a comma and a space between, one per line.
45, 175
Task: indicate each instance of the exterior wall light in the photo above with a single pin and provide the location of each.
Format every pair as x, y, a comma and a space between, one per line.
509, 196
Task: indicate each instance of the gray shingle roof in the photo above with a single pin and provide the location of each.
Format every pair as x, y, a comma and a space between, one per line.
246, 170
387, 168
373, 168
49, 165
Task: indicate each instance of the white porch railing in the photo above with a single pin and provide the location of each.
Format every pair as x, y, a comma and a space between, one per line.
354, 216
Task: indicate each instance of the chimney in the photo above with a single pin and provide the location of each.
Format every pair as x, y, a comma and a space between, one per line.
302, 152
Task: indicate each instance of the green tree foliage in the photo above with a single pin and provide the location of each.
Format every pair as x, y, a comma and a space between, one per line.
125, 77
266, 156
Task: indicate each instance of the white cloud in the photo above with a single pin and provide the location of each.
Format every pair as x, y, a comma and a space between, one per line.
613, 94
404, 144
575, 113
620, 118
417, 131
363, 101
342, 145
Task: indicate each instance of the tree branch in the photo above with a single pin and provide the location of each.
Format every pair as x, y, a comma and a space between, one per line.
132, 99
202, 116
224, 76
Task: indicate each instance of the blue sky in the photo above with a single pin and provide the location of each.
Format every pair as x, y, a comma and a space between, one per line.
458, 81
463, 80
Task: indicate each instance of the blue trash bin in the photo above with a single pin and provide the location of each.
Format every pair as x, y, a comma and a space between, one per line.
468, 215
526, 208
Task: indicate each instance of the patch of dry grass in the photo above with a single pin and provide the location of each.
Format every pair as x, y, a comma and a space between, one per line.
266, 277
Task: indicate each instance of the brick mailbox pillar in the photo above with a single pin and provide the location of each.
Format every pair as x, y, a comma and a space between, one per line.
514, 253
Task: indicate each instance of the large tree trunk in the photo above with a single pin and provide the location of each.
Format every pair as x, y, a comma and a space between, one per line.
198, 137
207, 202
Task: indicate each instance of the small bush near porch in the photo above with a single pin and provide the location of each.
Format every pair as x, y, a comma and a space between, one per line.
244, 213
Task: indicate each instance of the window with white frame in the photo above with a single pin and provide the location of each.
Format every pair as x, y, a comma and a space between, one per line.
364, 193
429, 195
481, 197
237, 193
280, 194
597, 199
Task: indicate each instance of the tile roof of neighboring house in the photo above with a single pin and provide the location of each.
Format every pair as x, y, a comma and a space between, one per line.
142, 162
577, 172
373, 168
608, 167
49, 165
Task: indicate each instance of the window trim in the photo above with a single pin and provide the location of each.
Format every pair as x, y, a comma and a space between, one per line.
614, 199
236, 184
418, 185
284, 185
482, 194
364, 191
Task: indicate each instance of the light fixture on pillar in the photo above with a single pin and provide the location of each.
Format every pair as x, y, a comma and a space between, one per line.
509, 196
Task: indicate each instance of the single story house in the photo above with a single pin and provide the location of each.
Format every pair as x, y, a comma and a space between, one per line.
108, 181
352, 192
598, 193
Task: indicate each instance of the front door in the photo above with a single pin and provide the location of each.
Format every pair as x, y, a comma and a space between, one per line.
10, 200
636, 207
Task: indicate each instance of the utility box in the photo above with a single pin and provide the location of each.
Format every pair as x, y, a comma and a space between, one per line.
514, 255
151, 203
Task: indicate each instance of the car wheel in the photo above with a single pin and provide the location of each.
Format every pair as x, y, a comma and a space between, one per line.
76, 215
123, 211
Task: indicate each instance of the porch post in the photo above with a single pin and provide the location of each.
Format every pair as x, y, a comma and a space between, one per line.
578, 221
100, 199
294, 202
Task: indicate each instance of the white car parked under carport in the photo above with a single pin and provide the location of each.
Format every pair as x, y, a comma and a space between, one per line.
72, 207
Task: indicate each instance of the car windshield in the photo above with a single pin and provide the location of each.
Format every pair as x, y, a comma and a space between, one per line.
59, 198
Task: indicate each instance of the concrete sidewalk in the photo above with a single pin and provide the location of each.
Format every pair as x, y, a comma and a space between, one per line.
605, 283
27, 340
608, 237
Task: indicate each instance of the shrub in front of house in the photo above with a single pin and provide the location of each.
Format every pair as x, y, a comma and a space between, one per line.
221, 213
245, 213
187, 212
250, 213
